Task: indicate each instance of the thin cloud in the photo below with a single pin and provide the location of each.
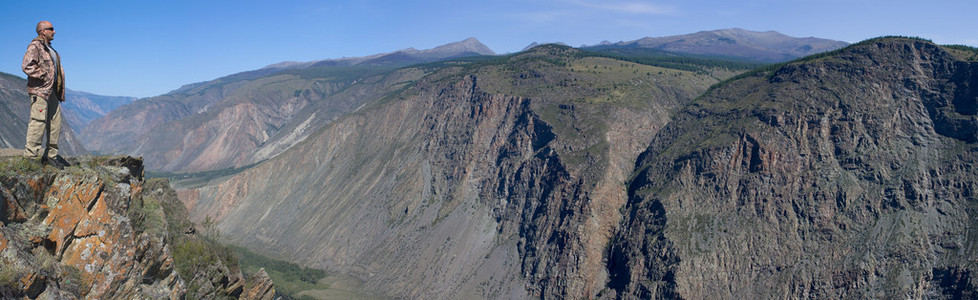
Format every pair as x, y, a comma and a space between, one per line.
541, 17
629, 7
556, 11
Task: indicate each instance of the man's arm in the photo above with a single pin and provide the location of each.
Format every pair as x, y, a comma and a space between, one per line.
32, 62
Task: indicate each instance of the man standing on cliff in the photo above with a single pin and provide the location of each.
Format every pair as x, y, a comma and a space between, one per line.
46, 87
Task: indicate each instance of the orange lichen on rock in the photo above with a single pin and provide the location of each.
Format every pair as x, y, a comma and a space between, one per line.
68, 201
3, 240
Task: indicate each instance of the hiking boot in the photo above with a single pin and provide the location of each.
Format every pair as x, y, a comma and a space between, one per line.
58, 162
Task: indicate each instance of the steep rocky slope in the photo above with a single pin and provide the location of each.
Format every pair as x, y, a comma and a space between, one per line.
15, 109
97, 230
846, 175
245, 118
498, 179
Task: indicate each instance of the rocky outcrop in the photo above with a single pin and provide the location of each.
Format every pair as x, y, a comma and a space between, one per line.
847, 175
261, 287
98, 230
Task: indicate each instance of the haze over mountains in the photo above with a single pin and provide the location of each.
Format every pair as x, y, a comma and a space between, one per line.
278, 105
80, 108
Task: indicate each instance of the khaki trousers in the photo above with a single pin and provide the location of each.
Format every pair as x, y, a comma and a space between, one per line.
45, 118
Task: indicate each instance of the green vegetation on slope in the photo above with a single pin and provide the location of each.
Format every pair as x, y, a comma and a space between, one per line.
289, 272
19, 165
197, 179
966, 53
658, 58
963, 52
299, 282
575, 91
193, 254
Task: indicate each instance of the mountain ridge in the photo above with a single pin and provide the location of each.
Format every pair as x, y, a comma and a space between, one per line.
83, 107
468, 46
767, 46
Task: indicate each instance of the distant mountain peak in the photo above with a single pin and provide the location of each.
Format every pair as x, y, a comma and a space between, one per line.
766, 46
535, 44
468, 47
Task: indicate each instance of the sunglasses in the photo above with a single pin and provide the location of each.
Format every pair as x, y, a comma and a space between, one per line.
49, 28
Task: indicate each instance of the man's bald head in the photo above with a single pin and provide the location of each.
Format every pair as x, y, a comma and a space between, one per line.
45, 30
42, 25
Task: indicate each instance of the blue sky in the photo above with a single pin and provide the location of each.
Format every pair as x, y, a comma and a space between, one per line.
147, 48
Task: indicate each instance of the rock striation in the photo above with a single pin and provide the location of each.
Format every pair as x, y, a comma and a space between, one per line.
98, 230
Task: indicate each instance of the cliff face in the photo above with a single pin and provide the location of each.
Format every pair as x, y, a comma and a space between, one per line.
98, 230
849, 175
499, 180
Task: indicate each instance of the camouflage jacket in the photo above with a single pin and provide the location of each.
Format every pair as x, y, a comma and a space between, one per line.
39, 67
